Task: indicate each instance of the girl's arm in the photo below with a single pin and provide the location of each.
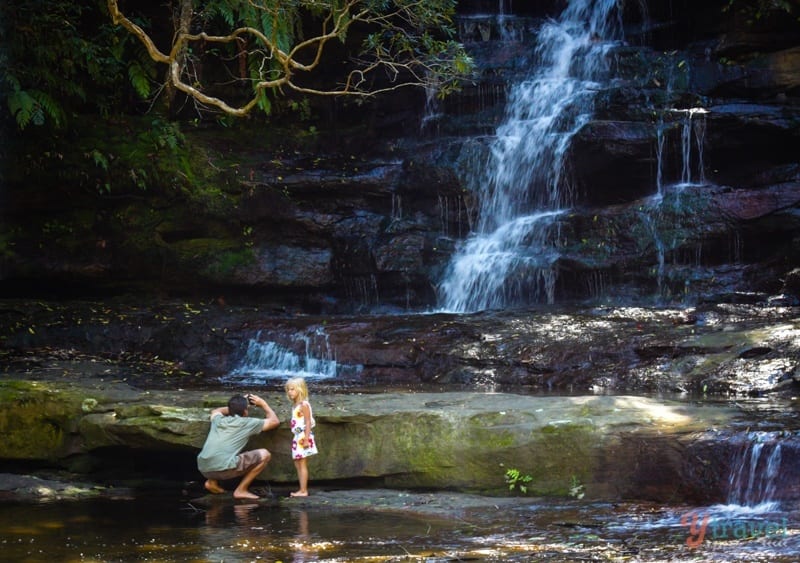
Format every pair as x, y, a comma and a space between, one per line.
307, 419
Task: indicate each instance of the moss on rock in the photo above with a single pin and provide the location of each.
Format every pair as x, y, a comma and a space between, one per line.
36, 420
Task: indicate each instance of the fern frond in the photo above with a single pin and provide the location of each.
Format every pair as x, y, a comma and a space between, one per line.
139, 80
22, 107
99, 159
49, 108
264, 102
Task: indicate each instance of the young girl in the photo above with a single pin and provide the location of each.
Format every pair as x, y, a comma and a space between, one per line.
303, 444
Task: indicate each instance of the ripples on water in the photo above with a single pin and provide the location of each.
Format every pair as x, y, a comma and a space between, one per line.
173, 528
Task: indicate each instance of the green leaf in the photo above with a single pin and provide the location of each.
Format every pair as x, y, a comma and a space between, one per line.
139, 79
263, 102
99, 159
48, 106
22, 106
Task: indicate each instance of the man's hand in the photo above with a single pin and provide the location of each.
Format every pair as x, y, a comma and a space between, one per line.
271, 421
256, 400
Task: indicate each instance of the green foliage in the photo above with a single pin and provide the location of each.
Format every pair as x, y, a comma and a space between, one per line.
576, 488
162, 135
140, 78
517, 480
59, 58
152, 156
279, 21
756, 10
228, 261
302, 107
24, 109
31, 106
99, 159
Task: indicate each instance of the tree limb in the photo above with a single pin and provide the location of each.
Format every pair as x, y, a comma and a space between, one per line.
403, 55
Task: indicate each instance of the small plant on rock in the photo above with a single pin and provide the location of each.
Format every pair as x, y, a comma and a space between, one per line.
517, 480
576, 488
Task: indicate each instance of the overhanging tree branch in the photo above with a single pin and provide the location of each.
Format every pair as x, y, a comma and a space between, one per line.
400, 51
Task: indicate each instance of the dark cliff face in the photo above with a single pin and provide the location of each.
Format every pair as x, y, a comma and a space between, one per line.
366, 210
700, 114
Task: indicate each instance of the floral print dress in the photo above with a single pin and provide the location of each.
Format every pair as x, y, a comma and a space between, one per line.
299, 451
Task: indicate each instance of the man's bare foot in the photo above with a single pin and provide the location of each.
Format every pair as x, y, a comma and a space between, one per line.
245, 494
213, 487
299, 494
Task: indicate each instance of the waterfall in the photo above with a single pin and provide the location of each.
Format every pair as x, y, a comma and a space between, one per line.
754, 473
510, 259
433, 113
270, 360
691, 124
660, 142
651, 227
692, 129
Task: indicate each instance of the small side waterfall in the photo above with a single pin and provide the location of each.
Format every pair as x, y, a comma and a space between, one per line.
755, 472
762, 477
511, 257
692, 126
688, 166
269, 360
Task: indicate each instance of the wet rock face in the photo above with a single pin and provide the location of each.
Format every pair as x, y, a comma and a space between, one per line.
702, 110
718, 349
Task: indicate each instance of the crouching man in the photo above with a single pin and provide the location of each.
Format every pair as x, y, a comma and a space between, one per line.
231, 428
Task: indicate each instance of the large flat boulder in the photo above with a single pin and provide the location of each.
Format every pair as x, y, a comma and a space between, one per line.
612, 446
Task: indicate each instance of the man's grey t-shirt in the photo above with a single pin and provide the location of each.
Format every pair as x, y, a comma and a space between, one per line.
226, 438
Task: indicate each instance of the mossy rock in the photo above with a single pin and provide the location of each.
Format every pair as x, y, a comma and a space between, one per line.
37, 422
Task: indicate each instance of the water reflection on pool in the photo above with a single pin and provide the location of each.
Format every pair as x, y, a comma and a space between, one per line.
167, 527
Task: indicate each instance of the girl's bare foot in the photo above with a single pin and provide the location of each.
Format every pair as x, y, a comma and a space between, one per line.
299, 494
245, 494
213, 487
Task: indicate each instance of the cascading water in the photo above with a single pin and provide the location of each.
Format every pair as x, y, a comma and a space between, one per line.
754, 473
692, 138
667, 199
269, 360
511, 257
697, 128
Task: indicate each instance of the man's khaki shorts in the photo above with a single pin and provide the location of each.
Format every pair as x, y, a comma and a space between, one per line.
244, 462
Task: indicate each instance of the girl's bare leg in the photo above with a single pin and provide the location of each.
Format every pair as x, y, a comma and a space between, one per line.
302, 476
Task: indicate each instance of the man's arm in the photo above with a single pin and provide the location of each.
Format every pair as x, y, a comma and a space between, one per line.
219, 411
271, 421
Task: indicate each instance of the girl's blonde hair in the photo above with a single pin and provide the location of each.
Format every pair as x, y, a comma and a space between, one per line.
300, 384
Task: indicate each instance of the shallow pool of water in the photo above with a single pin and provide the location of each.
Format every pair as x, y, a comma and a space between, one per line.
173, 527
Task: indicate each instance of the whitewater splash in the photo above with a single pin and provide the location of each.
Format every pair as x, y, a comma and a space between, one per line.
511, 258
267, 360
754, 476
751, 513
